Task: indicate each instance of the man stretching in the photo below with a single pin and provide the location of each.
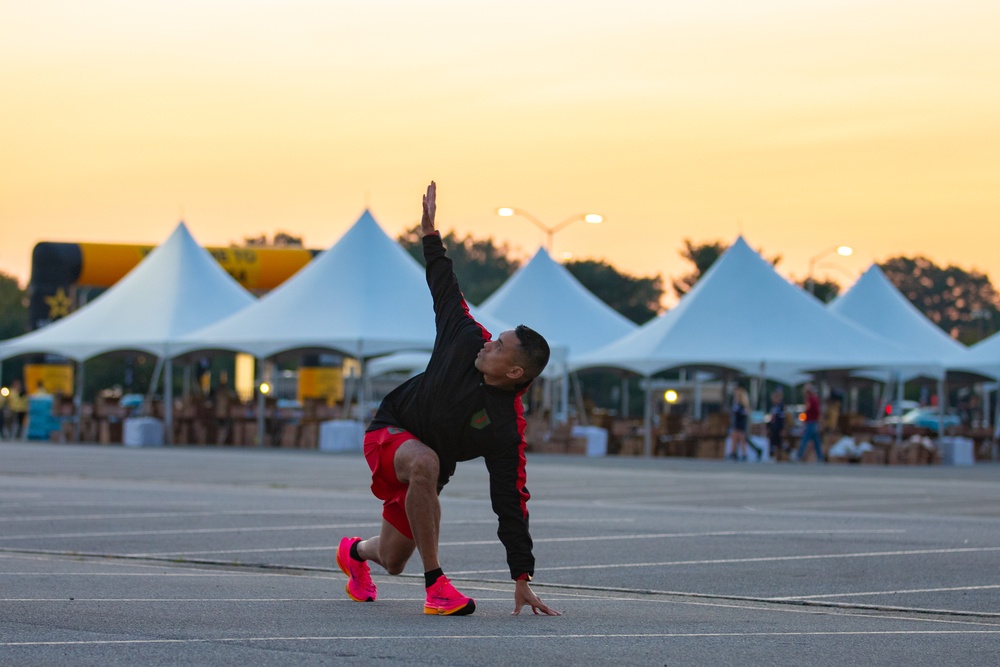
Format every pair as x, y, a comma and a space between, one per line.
466, 404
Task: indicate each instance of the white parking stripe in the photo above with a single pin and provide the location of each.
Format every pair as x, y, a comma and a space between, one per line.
470, 543
763, 559
901, 592
514, 637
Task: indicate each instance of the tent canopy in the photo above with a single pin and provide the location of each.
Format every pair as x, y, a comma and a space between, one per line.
364, 297
743, 315
545, 296
175, 290
983, 358
874, 303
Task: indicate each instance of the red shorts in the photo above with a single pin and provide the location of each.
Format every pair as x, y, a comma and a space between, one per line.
380, 452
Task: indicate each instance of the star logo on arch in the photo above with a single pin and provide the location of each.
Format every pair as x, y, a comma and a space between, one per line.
59, 304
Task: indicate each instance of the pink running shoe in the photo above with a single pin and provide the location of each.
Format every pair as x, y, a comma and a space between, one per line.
443, 599
360, 586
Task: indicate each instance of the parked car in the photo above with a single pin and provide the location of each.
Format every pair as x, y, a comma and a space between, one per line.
926, 417
897, 408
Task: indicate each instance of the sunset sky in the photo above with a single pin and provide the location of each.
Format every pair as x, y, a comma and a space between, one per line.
801, 124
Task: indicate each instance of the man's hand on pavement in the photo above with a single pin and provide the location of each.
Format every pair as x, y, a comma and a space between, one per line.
523, 595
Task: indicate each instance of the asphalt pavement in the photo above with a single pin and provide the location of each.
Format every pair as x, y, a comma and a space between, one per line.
114, 555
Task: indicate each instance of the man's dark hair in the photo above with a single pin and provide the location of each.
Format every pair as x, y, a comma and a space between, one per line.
534, 351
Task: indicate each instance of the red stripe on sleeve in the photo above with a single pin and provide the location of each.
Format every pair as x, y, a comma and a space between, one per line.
522, 462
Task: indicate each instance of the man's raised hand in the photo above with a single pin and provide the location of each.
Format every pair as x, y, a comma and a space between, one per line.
430, 208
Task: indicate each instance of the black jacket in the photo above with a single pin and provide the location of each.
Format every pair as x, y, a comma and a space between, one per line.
450, 409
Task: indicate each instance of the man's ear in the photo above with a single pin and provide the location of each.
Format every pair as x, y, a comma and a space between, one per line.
515, 373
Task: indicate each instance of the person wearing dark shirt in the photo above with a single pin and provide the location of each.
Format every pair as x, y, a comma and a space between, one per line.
740, 412
776, 423
465, 405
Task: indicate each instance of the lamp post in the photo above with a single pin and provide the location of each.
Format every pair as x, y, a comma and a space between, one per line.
842, 250
592, 218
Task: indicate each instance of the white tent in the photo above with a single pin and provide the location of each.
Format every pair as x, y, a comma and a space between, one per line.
175, 290
545, 296
982, 358
743, 315
874, 303
409, 363
364, 297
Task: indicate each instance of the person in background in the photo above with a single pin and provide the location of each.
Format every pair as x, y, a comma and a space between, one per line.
223, 401
17, 401
776, 423
3, 412
740, 413
811, 432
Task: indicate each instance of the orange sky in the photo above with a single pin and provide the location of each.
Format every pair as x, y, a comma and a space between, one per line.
802, 125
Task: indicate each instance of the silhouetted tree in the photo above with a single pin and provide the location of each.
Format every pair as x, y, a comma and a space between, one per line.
13, 307
480, 264
637, 298
702, 256
824, 290
963, 303
482, 267
281, 240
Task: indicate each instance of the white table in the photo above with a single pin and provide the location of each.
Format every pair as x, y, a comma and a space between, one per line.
341, 435
956, 451
142, 432
596, 437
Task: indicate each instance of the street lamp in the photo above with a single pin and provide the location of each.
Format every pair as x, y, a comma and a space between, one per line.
842, 250
592, 218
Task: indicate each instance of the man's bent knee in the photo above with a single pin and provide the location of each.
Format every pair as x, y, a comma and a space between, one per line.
394, 548
415, 462
394, 566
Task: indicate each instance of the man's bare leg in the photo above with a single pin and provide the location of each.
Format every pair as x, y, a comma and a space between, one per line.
390, 549
417, 466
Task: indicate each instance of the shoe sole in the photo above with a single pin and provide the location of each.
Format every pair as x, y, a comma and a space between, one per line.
464, 610
347, 586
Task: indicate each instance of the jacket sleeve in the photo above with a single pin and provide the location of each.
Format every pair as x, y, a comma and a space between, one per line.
509, 497
451, 312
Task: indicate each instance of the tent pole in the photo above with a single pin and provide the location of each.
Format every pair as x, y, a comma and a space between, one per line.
78, 401
941, 406
564, 396
697, 395
625, 405
168, 403
148, 404
984, 401
996, 425
186, 384
899, 403
260, 402
578, 395
366, 392
648, 418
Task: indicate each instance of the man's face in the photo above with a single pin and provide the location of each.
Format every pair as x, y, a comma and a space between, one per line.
499, 356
